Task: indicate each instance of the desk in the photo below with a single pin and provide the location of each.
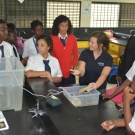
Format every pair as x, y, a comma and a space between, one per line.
21, 123
76, 121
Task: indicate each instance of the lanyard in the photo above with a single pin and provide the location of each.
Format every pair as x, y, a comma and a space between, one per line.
35, 44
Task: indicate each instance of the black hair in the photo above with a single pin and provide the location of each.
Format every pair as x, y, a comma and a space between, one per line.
35, 23
2, 21
101, 39
57, 21
11, 27
48, 40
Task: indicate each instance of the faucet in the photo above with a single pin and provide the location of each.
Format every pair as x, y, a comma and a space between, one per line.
20, 33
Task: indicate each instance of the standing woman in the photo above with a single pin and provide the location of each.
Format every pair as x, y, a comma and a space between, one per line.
65, 47
95, 63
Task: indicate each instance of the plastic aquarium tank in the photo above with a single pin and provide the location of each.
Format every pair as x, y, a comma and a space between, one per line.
81, 99
11, 76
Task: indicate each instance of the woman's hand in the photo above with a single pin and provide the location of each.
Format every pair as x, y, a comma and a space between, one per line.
75, 72
92, 86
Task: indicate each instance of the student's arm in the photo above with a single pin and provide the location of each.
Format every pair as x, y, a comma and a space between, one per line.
120, 89
133, 85
75, 54
31, 73
127, 82
56, 79
110, 124
24, 60
81, 69
128, 97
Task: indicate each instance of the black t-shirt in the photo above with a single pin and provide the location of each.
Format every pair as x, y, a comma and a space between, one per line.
94, 67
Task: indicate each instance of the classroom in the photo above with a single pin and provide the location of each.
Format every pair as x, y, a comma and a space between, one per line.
67, 67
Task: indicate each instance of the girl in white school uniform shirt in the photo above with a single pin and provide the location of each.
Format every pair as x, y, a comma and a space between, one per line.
35, 64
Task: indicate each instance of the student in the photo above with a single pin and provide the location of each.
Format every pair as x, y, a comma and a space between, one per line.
95, 63
128, 121
126, 83
6, 49
30, 47
12, 39
127, 59
65, 47
37, 65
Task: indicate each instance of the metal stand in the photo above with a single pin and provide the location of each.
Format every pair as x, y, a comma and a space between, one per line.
36, 111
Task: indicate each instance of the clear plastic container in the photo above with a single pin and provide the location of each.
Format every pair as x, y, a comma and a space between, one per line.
11, 76
81, 99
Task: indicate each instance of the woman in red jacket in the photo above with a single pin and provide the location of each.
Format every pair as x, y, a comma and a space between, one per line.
65, 47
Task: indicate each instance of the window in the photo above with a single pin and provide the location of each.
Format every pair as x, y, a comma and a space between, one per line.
127, 15
104, 15
70, 9
23, 14
2, 13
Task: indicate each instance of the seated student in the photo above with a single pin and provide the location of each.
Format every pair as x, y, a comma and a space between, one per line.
95, 63
43, 64
6, 49
128, 121
30, 47
12, 39
126, 83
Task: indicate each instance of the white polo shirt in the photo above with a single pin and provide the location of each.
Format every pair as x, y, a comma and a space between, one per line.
29, 47
35, 63
130, 74
132, 123
8, 50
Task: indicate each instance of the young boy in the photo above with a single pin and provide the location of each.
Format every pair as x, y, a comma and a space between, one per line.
6, 49
30, 47
128, 121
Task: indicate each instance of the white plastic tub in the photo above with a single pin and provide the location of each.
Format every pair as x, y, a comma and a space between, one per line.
81, 99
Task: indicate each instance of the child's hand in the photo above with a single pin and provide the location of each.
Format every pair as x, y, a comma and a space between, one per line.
128, 95
105, 96
108, 125
119, 78
48, 75
24, 61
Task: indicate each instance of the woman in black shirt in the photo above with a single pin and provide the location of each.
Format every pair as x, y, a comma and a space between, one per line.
95, 63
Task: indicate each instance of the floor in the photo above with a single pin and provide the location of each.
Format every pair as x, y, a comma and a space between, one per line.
108, 85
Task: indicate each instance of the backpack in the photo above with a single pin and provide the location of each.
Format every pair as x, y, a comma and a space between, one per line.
112, 76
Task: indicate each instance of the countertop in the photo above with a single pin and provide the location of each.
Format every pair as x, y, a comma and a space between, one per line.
70, 120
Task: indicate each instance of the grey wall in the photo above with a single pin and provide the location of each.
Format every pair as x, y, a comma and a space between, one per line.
78, 32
